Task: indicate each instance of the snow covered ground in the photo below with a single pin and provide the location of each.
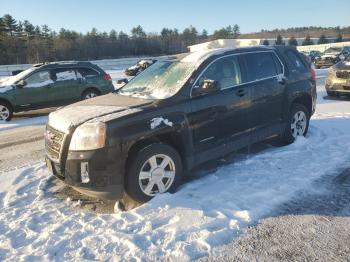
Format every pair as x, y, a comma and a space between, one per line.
22, 122
206, 212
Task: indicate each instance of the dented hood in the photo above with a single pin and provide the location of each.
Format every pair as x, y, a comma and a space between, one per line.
71, 116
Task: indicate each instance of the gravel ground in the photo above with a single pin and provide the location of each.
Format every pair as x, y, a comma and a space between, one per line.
312, 227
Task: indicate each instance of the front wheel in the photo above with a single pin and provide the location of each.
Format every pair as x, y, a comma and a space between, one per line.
154, 170
297, 124
6, 111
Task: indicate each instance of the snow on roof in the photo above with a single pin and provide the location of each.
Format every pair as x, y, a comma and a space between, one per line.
199, 56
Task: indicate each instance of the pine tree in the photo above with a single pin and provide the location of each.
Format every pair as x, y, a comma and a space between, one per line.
339, 38
322, 40
292, 41
307, 41
266, 42
279, 40
113, 35
137, 32
10, 24
28, 28
236, 31
204, 34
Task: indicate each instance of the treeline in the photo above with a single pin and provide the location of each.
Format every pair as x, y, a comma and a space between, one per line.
300, 32
22, 42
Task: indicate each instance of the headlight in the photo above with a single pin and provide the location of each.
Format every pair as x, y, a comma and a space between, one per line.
88, 136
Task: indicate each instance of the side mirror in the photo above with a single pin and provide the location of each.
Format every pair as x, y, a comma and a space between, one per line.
21, 83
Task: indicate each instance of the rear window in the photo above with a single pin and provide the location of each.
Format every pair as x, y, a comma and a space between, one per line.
63, 74
296, 61
87, 72
261, 65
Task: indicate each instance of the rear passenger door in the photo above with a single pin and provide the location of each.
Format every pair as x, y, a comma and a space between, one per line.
89, 77
66, 86
264, 72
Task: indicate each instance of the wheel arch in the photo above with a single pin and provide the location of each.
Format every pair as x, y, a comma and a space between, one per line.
7, 102
303, 99
172, 139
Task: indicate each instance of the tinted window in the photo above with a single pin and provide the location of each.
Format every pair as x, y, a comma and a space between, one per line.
260, 65
296, 61
225, 71
63, 74
87, 72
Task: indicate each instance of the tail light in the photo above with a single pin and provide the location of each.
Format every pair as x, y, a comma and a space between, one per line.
313, 74
107, 77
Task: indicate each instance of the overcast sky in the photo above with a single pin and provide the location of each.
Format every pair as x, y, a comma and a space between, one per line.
153, 15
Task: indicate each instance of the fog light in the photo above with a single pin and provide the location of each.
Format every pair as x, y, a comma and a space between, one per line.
84, 172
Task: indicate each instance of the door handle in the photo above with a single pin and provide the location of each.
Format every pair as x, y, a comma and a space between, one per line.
240, 92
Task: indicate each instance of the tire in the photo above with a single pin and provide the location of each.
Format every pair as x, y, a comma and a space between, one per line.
294, 128
143, 187
6, 111
90, 93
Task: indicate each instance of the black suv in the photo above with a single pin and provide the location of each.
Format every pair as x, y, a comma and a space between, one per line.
178, 113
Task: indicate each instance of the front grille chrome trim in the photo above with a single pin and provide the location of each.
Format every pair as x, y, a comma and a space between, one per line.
54, 141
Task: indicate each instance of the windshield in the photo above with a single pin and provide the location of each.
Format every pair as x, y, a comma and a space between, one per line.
161, 80
11, 80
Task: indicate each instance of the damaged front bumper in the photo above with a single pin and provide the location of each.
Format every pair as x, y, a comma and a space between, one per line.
92, 173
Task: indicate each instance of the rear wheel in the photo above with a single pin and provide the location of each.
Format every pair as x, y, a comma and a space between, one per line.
154, 170
90, 93
297, 124
6, 112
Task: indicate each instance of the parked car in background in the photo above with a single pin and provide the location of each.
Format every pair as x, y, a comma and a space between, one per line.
178, 114
313, 54
332, 56
51, 84
338, 79
139, 67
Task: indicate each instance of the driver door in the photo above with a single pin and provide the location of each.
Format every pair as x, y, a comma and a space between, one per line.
221, 117
36, 93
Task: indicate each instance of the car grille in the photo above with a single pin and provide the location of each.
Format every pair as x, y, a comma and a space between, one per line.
53, 142
343, 74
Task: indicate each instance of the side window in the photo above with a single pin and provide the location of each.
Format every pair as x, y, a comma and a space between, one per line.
38, 79
225, 71
261, 65
87, 72
296, 61
63, 74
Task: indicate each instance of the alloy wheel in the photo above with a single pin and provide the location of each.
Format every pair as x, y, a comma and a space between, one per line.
4, 112
90, 95
157, 175
299, 123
